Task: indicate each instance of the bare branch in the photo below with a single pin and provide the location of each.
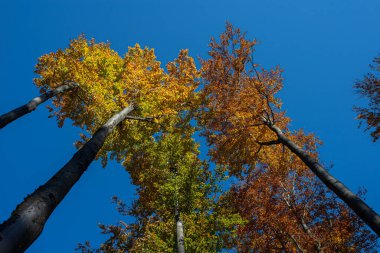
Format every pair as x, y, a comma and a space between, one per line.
272, 118
268, 143
147, 119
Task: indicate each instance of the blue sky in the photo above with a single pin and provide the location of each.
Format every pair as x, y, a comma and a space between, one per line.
323, 47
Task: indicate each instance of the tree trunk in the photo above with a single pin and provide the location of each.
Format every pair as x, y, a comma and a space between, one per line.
27, 221
8, 117
369, 216
180, 235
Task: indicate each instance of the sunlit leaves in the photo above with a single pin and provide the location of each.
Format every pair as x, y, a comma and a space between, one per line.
239, 99
239, 108
109, 83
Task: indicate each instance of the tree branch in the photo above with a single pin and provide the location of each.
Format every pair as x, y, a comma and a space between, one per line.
296, 243
147, 119
268, 143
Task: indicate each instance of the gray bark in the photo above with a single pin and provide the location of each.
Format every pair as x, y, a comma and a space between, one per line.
8, 117
180, 235
28, 219
369, 216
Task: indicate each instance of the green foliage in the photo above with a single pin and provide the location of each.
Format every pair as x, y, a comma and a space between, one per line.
167, 172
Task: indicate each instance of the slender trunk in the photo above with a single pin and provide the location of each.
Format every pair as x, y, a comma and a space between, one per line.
179, 229
180, 238
27, 221
369, 216
8, 117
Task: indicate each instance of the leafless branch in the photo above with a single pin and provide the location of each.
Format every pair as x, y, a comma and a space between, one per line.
267, 143
147, 119
272, 118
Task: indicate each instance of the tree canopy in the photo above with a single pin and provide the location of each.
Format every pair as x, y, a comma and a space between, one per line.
108, 83
275, 205
257, 192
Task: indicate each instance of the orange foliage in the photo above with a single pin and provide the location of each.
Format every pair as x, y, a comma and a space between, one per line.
288, 210
239, 103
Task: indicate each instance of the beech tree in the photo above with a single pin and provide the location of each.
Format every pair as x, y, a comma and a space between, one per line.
180, 206
28, 219
136, 86
287, 209
242, 116
174, 186
369, 88
8, 117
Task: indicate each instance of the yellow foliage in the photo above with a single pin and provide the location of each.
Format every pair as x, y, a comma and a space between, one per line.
108, 83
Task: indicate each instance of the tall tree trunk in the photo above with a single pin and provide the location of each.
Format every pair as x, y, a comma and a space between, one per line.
369, 216
179, 229
27, 221
180, 237
8, 117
